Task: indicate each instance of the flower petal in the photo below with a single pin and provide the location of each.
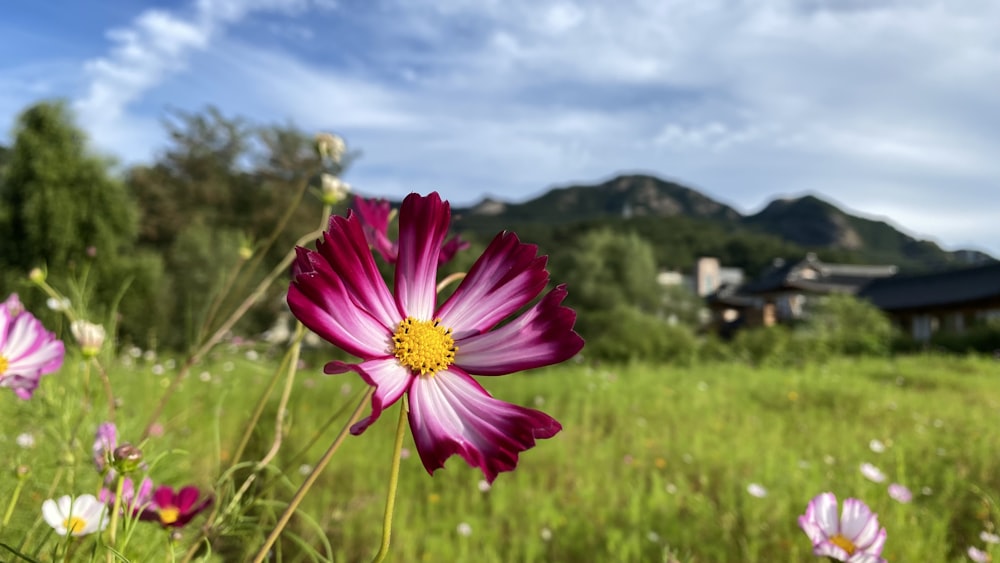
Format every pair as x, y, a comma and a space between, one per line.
389, 378
822, 512
507, 276
374, 215
827, 549
541, 336
29, 349
319, 299
423, 224
858, 523
452, 414
51, 513
346, 251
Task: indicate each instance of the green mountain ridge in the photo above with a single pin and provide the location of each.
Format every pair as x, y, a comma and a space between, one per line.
652, 207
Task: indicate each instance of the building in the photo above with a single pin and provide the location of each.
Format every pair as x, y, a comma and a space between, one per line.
953, 300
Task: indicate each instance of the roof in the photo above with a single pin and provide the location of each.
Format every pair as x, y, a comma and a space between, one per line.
940, 289
811, 274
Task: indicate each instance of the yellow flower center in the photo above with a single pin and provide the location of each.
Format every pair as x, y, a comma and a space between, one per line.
74, 524
425, 347
3, 365
169, 514
844, 543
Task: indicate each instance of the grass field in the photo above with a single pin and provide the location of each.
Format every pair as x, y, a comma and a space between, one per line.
653, 464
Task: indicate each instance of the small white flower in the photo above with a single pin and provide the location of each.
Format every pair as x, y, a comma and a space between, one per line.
205, 376
58, 304
252, 355
77, 517
149, 356
876, 446
484, 486
333, 189
305, 469
756, 490
671, 488
872, 473
157, 369
346, 388
988, 537
829, 459
170, 363
89, 336
926, 491
546, 534
464, 529
539, 400
135, 352
978, 555
653, 537
25, 440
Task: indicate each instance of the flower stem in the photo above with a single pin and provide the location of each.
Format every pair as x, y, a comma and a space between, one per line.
13, 500
311, 479
113, 526
107, 387
390, 499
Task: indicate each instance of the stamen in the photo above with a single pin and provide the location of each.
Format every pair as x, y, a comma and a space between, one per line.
426, 347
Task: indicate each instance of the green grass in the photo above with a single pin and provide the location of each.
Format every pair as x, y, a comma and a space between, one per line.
653, 463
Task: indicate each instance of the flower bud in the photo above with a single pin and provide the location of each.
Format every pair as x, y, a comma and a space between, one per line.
36, 275
89, 336
245, 252
334, 189
126, 458
22, 471
330, 146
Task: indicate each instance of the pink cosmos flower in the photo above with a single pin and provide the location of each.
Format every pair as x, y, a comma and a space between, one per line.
410, 344
175, 509
105, 442
900, 493
375, 216
855, 537
133, 501
27, 351
13, 305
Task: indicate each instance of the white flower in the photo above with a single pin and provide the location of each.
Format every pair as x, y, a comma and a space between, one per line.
484, 486
25, 440
89, 336
157, 369
546, 534
77, 517
872, 473
252, 355
756, 490
988, 537
876, 446
58, 304
978, 555
334, 189
464, 529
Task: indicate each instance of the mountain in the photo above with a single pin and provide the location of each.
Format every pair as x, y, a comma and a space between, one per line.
807, 222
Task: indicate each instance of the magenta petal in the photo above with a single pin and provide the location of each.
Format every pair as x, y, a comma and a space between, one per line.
507, 276
389, 378
29, 349
541, 336
374, 215
450, 413
451, 248
319, 299
346, 252
423, 224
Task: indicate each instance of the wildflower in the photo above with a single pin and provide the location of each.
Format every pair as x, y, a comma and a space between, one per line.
58, 305
872, 473
546, 534
464, 529
900, 493
756, 490
333, 189
25, 440
410, 345
105, 442
375, 216
27, 352
13, 305
89, 336
989, 537
855, 537
133, 501
126, 458
174, 510
978, 555
484, 486
76, 517
330, 146
876, 446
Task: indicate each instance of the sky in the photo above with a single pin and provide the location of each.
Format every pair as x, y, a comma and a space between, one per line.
887, 108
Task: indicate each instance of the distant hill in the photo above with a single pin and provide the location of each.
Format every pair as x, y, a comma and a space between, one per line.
650, 204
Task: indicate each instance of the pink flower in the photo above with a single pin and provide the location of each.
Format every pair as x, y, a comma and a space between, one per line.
409, 344
175, 509
375, 216
133, 501
855, 537
900, 493
872, 473
27, 351
105, 442
978, 555
13, 305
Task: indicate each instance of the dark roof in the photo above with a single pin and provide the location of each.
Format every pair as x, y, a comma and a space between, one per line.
827, 278
953, 287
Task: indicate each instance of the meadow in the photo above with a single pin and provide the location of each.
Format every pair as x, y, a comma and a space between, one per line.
707, 463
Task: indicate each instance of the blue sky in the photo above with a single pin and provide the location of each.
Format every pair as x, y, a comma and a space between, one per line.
889, 108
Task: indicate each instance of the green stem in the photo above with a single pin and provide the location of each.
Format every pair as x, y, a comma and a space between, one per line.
390, 499
113, 525
107, 387
13, 502
311, 479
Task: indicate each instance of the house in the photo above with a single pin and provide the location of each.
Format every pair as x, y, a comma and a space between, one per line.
951, 300
780, 293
